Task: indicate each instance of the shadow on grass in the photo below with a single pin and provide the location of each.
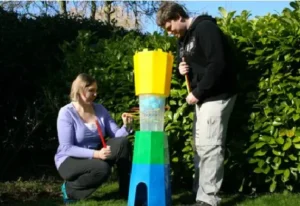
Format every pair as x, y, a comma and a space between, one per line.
184, 198
17, 198
188, 198
39, 202
106, 196
232, 200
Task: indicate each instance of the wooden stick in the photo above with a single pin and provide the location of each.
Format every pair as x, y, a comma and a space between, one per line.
187, 81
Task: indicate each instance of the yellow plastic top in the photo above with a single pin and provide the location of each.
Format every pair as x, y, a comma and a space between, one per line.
153, 72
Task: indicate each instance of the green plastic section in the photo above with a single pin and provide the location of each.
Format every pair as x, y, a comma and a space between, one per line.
166, 150
150, 147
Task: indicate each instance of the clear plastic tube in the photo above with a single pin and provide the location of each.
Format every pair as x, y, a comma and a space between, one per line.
152, 109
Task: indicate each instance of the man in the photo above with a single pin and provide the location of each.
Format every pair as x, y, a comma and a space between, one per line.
206, 58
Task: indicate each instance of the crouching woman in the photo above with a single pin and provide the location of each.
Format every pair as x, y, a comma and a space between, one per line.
81, 159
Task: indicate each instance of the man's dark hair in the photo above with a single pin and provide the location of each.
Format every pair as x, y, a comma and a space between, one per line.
170, 11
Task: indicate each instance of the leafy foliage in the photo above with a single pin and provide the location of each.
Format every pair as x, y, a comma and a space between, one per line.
272, 142
35, 84
262, 151
111, 62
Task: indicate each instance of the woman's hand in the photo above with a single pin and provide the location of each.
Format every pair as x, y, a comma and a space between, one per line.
103, 154
127, 119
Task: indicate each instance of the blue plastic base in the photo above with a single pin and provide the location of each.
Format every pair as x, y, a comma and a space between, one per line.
150, 185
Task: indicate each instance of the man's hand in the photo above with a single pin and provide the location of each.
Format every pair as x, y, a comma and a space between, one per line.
191, 99
183, 67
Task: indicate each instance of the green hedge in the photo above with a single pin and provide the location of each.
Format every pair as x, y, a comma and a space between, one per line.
262, 146
35, 84
270, 90
111, 62
263, 139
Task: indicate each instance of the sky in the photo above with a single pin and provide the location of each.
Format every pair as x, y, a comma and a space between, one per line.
257, 8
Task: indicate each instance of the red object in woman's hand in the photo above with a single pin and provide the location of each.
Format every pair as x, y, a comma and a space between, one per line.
100, 134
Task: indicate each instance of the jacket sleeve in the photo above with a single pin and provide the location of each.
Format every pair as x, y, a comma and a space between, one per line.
210, 40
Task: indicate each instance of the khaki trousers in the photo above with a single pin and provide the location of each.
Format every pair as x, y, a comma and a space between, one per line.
209, 132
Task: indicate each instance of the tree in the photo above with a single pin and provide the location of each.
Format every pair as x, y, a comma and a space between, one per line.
93, 9
62, 7
108, 10
135, 11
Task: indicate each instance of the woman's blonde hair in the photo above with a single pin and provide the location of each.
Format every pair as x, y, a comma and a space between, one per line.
79, 84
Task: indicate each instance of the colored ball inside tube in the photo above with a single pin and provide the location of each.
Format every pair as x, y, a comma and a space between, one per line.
151, 102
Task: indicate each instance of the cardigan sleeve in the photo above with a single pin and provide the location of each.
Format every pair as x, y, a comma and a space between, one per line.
111, 127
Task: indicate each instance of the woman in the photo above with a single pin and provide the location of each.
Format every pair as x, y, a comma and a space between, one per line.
81, 159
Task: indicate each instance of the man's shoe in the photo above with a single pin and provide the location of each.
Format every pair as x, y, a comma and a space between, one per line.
65, 196
201, 203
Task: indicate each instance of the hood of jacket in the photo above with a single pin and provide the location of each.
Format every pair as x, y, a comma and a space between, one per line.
201, 18
195, 22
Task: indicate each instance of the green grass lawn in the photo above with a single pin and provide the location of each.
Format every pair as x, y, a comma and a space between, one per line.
47, 193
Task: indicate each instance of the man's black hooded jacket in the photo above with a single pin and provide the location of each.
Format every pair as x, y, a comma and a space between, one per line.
211, 60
